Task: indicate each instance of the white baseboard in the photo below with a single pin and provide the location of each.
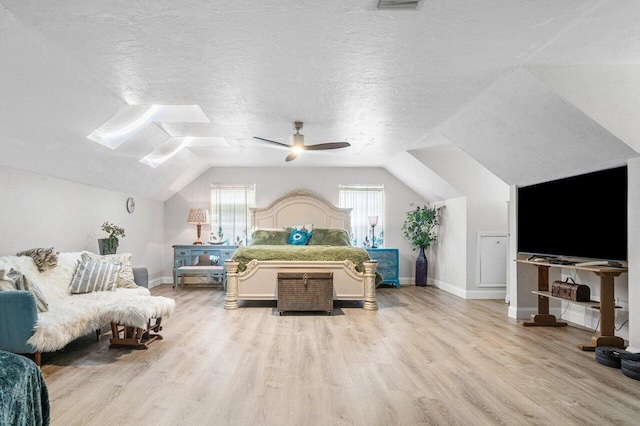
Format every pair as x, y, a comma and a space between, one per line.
468, 294
407, 281
159, 281
447, 287
522, 313
486, 294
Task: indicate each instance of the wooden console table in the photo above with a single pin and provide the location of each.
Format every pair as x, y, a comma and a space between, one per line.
606, 306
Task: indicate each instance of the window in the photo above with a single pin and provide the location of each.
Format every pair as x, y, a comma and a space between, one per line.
366, 201
230, 213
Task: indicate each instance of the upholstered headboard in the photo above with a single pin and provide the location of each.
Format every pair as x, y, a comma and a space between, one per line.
301, 207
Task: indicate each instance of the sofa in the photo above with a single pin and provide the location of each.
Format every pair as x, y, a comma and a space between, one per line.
24, 330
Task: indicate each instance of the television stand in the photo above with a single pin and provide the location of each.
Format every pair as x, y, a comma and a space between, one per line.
606, 306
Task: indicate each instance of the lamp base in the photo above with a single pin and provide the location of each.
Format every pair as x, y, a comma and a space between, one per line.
198, 241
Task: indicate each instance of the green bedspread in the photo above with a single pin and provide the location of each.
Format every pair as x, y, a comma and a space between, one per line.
244, 255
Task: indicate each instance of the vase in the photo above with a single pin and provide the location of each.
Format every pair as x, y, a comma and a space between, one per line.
107, 246
421, 269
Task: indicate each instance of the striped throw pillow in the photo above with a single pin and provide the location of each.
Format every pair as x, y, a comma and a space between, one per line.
21, 282
125, 274
94, 276
43, 258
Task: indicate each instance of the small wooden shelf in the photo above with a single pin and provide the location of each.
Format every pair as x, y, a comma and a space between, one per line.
592, 304
589, 305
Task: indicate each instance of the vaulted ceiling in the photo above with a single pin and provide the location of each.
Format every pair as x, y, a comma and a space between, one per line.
530, 89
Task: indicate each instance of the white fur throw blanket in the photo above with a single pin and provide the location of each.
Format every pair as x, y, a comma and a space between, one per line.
136, 311
80, 314
71, 316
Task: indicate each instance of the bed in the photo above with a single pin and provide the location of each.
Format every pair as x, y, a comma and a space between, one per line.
255, 279
24, 399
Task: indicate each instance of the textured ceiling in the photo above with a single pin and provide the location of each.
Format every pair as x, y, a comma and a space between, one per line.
386, 82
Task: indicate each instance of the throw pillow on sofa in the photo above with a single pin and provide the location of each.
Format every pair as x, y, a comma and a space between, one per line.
94, 276
44, 258
14, 280
5, 284
125, 275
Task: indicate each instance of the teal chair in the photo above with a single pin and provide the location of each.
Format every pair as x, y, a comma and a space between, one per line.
18, 316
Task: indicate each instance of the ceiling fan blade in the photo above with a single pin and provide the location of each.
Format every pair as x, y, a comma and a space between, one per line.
275, 142
328, 145
291, 157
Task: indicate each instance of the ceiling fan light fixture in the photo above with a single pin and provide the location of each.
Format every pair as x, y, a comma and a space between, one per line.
297, 143
297, 138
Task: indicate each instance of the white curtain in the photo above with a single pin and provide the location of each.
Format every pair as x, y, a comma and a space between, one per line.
365, 201
230, 213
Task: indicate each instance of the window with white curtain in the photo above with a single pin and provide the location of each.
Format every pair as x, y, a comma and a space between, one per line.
230, 215
367, 203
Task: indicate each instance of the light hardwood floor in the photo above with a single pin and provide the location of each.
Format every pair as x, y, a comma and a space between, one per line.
426, 357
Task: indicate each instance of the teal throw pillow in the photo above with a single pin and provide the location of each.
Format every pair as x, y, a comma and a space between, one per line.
299, 237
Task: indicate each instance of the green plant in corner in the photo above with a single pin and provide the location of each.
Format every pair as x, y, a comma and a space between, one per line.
109, 245
418, 229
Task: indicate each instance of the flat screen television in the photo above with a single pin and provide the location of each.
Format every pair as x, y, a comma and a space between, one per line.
583, 216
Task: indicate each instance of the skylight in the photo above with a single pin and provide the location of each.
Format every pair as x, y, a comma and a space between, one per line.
174, 145
130, 120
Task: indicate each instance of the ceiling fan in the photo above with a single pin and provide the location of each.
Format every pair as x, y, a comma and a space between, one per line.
297, 143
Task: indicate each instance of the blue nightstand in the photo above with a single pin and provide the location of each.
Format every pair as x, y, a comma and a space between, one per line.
388, 264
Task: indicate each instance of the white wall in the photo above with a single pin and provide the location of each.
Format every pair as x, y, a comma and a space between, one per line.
43, 211
448, 256
634, 252
274, 182
486, 206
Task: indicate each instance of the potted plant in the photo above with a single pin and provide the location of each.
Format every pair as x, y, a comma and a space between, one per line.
418, 229
109, 245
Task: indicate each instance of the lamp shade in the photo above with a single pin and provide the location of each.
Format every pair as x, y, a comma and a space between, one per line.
199, 216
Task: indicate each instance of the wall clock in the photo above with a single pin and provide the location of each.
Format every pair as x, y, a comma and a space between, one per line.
131, 205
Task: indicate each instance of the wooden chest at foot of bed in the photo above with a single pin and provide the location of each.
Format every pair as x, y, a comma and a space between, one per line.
300, 290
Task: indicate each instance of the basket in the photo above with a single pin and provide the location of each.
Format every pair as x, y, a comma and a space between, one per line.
305, 291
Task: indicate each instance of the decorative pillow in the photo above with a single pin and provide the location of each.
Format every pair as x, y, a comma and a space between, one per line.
6, 285
21, 282
329, 237
43, 258
299, 237
94, 276
261, 237
125, 275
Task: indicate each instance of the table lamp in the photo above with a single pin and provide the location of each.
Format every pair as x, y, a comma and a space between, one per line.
373, 221
198, 217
